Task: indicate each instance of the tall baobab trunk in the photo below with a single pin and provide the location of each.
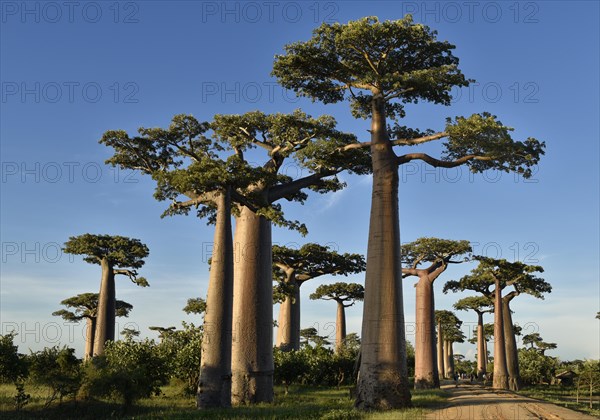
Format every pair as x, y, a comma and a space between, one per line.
481, 348
340, 326
214, 386
451, 369
383, 375
252, 348
105, 319
447, 365
288, 330
510, 344
485, 347
500, 369
440, 352
426, 368
90, 330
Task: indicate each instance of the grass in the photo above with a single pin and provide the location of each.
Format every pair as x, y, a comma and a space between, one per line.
302, 402
565, 397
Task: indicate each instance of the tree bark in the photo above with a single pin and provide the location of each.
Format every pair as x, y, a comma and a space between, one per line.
90, 330
447, 367
510, 344
426, 369
481, 348
383, 375
451, 369
500, 369
252, 348
440, 352
105, 318
288, 330
340, 326
214, 386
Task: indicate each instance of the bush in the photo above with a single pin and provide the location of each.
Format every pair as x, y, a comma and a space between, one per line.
181, 350
13, 366
128, 370
58, 369
536, 368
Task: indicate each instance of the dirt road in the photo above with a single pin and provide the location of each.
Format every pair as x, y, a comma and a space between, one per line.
473, 402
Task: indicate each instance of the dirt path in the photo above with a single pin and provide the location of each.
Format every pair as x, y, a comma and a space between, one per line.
473, 402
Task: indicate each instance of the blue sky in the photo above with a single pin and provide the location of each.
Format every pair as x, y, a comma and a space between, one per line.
70, 71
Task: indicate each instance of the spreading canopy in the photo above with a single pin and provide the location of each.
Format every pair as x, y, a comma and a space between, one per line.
85, 305
340, 292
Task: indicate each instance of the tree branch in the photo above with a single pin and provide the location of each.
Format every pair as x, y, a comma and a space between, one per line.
437, 163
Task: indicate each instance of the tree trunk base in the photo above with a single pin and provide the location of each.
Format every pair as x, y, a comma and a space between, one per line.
500, 381
427, 382
382, 390
253, 388
213, 392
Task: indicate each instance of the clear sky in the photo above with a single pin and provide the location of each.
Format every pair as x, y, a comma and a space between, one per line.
72, 70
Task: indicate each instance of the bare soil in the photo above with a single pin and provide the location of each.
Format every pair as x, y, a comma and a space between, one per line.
474, 402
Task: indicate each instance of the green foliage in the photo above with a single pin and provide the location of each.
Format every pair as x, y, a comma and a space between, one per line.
340, 292
13, 366
399, 59
450, 326
86, 305
58, 369
128, 370
195, 306
316, 365
517, 274
536, 368
181, 351
22, 398
480, 304
310, 261
119, 251
435, 251
483, 135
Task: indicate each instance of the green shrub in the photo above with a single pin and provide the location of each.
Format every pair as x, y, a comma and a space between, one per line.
58, 369
181, 350
128, 370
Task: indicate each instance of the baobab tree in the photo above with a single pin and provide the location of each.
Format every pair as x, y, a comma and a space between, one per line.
437, 254
536, 342
189, 168
345, 295
501, 274
116, 255
292, 268
480, 305
379, 67
195, 306
85, 306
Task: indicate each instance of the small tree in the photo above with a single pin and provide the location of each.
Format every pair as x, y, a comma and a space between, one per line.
58, 369
195, 306
294, 267
85, 306
345, 295
116, 255
13, 368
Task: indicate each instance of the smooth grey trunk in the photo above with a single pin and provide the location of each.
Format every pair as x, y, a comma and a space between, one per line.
383, 374
481, 348
90, 330
105, 318
447, 367
485, 346
451, 369
214, 386
252, 348
426, 367
500, 369
510, 344
440, 352
288, 330
340, 326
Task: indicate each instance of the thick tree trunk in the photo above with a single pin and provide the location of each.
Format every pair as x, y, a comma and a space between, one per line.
90, 330
340, 327
510, 345
485, 347
500, 369
383, 376
481, 350
214, 386
426, 369
252, 349
105, 318
440, 352
288, 330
